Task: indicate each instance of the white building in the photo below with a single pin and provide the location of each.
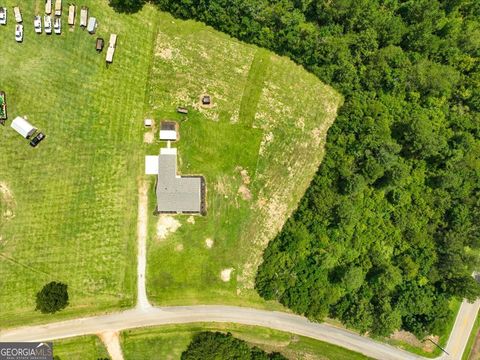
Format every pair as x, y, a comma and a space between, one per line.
23, 127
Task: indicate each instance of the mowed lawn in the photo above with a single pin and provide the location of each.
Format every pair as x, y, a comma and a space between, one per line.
258, 146
71, 203
80, 348
168, 342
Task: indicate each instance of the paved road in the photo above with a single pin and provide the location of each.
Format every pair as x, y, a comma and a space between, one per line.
108, 326
187, 314
461, 330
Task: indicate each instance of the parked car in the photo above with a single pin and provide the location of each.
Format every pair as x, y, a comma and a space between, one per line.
47, 24
37, 139
19, 32
37, 24
57, 25
3, 16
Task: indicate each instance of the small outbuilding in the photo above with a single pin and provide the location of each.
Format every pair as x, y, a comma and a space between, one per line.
23, 127
182, 110
148, 123
168, 131
206, 100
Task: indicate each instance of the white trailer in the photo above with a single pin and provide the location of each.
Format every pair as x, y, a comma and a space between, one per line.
92, 25
48, 7
71, 15
23, 127
58, 7
111, 48
18, 14
83, 17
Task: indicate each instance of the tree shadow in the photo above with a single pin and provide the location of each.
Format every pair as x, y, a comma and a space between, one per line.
127, 6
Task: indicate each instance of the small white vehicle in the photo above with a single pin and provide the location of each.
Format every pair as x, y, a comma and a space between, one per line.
19, 33
47, 24
57, 25
37, 24
3, 16
18, 14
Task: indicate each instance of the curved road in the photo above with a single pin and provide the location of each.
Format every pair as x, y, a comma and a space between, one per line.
145, 315
187, 314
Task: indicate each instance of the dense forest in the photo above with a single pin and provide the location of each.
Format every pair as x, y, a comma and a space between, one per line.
389, 230
209, 345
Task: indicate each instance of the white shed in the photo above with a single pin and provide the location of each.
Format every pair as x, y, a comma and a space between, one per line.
23, 127
168, 131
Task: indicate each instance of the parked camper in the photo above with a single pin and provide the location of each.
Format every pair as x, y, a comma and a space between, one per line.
18, 14
92, 25
19, 32
83, 17
111, 48
23, 127
37, 24
3, 16
47, 24
58, 7
57, 25
48, 7
71, 15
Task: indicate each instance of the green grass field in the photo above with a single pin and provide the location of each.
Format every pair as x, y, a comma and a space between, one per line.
69, 207
258, 147
80, 348
168, 342
74, 198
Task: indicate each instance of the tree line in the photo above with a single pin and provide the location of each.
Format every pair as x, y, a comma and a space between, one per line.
389, 229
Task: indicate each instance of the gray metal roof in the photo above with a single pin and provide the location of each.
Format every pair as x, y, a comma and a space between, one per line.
175, 193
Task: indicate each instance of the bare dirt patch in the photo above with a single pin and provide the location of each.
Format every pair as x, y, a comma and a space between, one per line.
191, 220
411, 339
226, 274
112, 343
209, 243
166, 224
475, 353
148, 137
179, 247
7, 203
244, 192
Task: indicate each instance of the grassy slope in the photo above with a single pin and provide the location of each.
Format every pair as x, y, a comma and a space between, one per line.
269, 118
80, 348
168, 342
75, 196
